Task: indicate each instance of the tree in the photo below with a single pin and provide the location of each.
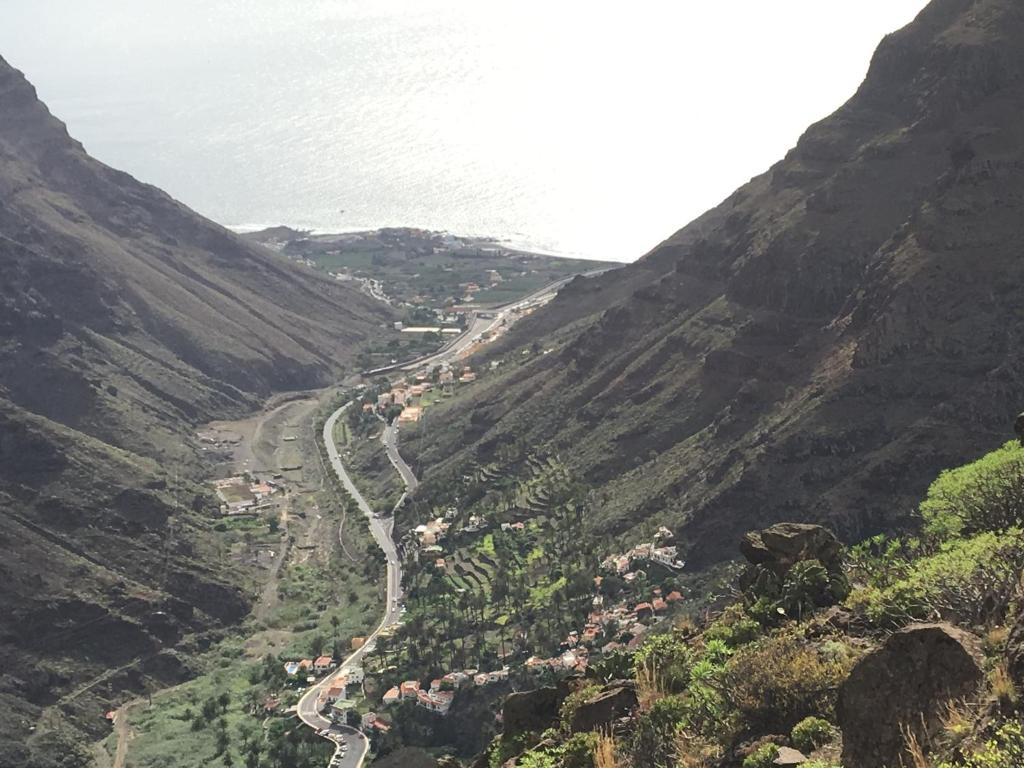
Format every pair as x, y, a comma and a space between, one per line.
353, 719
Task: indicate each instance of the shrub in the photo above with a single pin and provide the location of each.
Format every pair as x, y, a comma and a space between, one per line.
780, 680
1004, 750
578, 751
696, 752
655, 733
616, 665
537, 760
666, 657
985, 495
705, 708
811, 733
1004, 691
806, 587
734, 628
715, 652
970, 579
762, 757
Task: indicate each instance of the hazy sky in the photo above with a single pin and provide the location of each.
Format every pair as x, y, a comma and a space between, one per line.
592, 127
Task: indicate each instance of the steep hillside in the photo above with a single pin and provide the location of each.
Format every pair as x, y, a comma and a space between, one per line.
816, 347
109, 280
125, 319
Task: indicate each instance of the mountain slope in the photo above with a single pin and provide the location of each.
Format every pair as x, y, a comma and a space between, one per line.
102, 272
125, 320
821, 343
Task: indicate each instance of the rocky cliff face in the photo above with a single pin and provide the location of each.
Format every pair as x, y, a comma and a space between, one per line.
125, 319
821, 343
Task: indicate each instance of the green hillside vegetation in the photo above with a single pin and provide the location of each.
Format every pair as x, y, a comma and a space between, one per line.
324, 598
428, 268
126, 320
708, 690
820, 344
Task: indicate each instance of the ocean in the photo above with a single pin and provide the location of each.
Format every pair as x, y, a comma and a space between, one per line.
592, 129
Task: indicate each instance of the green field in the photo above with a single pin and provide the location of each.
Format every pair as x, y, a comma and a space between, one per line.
427, 269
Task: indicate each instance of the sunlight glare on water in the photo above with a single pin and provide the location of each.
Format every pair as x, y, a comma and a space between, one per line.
595, 129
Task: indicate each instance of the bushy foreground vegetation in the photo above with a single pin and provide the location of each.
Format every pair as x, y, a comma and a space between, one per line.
763, 673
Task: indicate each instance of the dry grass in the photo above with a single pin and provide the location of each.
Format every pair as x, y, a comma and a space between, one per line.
1004, 691
604, 751
914, 750
650, 686
995, 640
685, 625
695, 752
957, 723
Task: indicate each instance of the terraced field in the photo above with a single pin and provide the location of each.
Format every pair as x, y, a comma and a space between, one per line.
474, 573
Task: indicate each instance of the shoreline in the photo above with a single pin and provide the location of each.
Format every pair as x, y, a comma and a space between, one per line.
509, 243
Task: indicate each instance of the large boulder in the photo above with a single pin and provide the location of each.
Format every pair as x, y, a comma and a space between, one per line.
773, 554
617, 699
904, 688
782, 545
532, 711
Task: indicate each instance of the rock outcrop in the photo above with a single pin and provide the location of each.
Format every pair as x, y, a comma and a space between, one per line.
531, 711
789, 756
617, 699
773, 554
902, 690
781, 546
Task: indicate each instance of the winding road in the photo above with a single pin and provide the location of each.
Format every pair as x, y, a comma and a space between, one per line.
380, 525
390, 440
358, 745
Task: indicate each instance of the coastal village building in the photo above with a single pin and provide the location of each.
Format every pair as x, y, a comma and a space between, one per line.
355, 675
335, 692
292, 668
410, 415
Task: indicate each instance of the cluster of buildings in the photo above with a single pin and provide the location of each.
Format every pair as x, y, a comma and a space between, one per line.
335, 695
623, 622
659, 551
431, 534
441, 693
240, 496
408, 394
575, 660
405, 395
371, 721
317, 666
